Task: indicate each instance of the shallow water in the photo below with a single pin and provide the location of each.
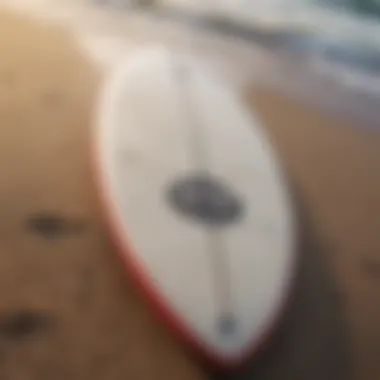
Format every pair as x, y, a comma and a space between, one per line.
347, 83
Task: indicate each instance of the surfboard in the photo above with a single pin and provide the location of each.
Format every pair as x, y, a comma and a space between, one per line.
196, 201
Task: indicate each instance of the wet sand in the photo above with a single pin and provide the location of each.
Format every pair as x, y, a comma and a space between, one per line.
66, 308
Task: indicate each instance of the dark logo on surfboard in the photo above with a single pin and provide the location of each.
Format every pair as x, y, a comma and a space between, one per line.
205, 199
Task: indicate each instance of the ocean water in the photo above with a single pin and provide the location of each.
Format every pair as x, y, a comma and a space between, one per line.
336, 67
358, 8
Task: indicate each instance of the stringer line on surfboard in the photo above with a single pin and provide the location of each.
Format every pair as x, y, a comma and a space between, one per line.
217, 252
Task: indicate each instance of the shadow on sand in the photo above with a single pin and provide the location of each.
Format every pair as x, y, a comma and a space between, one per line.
311, 343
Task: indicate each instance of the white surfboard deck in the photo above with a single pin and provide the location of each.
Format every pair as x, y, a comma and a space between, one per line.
196, 200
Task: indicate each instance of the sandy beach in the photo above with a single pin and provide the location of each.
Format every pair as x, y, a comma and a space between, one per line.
67, 310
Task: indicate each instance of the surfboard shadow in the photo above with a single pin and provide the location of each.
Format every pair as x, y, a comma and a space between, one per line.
312, 341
